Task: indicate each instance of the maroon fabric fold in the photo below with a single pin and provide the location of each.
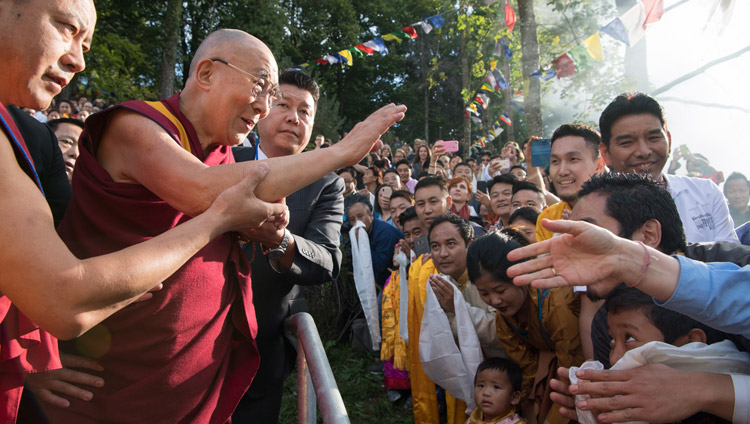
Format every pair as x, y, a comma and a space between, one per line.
24, 347
188, 354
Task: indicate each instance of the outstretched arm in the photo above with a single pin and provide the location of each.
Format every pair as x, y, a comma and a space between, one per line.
586, 254
65, 295
134, 149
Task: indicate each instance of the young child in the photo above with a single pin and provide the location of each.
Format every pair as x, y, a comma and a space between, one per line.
497, 391
633, 319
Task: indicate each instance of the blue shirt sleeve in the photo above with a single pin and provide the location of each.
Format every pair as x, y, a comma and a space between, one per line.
716, 294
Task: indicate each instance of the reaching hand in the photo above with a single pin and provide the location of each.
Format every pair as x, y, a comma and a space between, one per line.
365, 136
443, 291
561, 394
653, 393
586, 254
51, 386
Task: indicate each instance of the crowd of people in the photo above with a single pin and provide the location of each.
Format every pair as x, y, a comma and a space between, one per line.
600, 287
469, 212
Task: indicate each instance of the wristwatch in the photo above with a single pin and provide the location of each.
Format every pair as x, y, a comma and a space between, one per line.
278, 252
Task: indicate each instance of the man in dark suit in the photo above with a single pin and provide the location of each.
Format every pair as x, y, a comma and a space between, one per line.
305, 253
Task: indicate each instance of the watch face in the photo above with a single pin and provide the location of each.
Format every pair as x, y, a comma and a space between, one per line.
275, 254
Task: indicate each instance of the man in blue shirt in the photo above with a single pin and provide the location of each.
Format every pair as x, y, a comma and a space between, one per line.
383, 238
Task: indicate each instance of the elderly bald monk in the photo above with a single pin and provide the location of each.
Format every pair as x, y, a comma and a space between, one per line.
145, 166
45, 290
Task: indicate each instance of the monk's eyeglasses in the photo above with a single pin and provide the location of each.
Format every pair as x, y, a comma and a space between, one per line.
262, 86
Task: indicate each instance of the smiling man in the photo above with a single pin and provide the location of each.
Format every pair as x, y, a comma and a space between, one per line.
147, 166
304, 253
501, 193
635, 139
574, 158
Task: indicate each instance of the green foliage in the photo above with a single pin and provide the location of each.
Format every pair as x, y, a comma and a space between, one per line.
363, 393
425, 73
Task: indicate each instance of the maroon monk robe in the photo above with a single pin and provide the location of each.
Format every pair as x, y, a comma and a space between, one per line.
188, 354
24, 347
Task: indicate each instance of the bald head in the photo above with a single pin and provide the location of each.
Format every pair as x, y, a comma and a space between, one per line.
231, 83
225, 43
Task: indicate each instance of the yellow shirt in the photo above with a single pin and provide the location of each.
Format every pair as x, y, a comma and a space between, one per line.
552, 213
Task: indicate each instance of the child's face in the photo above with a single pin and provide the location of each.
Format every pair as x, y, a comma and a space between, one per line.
494, 394
629, 329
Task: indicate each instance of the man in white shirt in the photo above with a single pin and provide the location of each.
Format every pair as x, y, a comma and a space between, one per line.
635, 139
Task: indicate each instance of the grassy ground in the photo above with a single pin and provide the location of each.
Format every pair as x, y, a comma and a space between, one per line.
363, 392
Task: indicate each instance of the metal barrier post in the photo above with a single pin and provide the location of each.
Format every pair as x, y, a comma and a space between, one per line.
313, 362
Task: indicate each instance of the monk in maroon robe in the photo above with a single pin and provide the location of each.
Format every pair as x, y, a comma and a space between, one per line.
188, 353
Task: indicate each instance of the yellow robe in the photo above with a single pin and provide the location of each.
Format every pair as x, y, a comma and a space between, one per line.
393, 346
560, 317
552, 213
424, 399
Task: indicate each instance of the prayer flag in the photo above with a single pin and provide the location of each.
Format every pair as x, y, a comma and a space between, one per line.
483, 99
502, 83
344, 57
362, 47
564, 66
490, 78
594, 46
581, 57
502, 49
436, 21
489, 136
510, 16
391, 37
486, 87
426, 27
410, 32
517, 106
356, 52
322, 61
378, 45
628, 27
476, 120
505, 118
331, 59
653, 9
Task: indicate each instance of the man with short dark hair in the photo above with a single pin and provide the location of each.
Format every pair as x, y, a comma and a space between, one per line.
304, 253
67, 131
400, 201
383, 238
737, 192
635, 139
393, 179
500, 189
637, 208
403, 167
574, 158
527, 194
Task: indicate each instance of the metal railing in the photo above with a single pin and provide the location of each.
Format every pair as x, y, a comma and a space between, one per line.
314, 372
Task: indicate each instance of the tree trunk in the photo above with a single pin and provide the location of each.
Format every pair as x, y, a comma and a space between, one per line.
172, 25
529, 63
425, 86
465, 88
